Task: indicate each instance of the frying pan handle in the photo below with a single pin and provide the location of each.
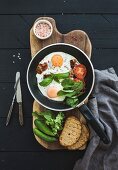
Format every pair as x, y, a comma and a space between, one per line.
95, 124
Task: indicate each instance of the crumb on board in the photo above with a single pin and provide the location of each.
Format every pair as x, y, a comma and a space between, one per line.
16, 56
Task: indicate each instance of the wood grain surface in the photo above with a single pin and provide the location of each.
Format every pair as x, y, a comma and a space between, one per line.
77, 38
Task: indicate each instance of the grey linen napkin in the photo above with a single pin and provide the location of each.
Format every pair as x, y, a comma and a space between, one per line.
104, 105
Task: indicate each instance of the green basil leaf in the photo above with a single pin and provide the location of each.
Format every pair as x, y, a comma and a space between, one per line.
46, 81
61, 75
72, 102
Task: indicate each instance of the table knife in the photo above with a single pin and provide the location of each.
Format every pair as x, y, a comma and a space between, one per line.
19, 98
12, 104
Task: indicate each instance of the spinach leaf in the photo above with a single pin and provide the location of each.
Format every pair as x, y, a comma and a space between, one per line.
73, 102
71, 90
46, 81
78, 86
67, 83
61, 93
66, 94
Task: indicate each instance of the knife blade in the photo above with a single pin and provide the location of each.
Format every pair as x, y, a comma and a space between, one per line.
12, 103
19, 98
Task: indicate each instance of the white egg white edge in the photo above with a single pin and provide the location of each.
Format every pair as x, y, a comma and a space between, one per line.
57, 101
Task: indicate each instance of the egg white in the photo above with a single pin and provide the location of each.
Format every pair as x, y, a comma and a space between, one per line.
55, 70
53, 84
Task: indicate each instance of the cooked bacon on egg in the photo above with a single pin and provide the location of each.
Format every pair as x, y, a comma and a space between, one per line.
72, 63
41, 67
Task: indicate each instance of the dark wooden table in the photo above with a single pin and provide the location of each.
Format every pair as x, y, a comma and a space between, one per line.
18, 147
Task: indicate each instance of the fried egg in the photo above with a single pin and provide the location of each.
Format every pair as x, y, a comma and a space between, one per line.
58, 62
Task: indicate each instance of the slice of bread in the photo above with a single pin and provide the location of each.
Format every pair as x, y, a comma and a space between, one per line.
82, 140
83, 147
71, 131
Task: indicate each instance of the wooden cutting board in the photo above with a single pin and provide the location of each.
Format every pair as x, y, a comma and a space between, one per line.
76, 37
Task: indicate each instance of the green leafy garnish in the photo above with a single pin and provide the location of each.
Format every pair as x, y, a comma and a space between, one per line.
78, 86
46, 81
58, 123
73, 102
71, 91
67, 83
35, 114
55, 122
66, 94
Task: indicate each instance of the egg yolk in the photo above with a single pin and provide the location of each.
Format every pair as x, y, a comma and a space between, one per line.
57, 60
52, 92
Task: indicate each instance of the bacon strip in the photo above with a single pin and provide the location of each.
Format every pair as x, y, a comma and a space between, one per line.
72, 63
41, 67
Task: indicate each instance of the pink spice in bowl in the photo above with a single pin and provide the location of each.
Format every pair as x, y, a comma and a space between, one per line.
42, 29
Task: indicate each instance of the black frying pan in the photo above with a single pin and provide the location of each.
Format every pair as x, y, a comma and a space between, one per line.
60, 106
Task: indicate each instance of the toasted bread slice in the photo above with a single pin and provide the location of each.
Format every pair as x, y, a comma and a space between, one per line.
83, 147
71, 131
82, 140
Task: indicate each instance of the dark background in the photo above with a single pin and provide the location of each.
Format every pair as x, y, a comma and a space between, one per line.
18, 147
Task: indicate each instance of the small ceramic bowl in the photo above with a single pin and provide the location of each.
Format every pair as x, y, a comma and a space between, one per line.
42, 29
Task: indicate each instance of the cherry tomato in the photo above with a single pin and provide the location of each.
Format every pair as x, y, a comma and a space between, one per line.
80, 71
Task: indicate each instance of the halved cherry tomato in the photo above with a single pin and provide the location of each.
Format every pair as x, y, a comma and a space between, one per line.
80, 71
